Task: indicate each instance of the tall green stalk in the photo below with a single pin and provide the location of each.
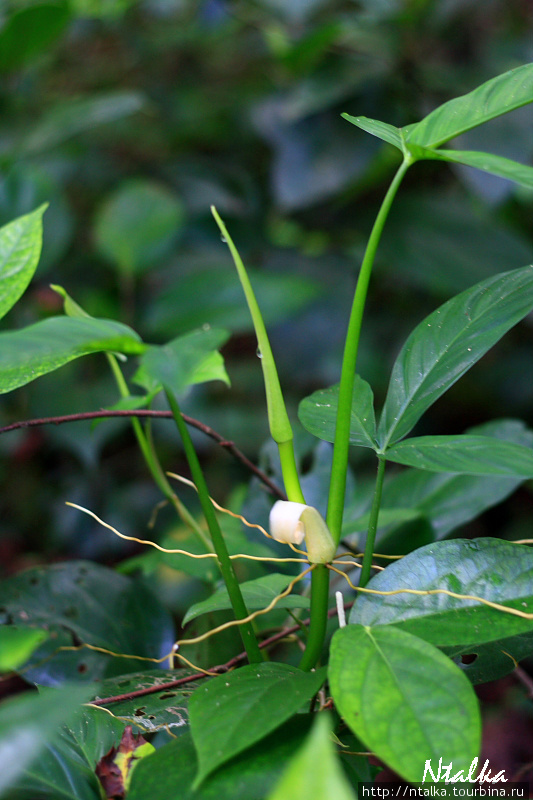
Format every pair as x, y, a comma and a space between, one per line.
224, 562
278, 419
339, 469
152, 461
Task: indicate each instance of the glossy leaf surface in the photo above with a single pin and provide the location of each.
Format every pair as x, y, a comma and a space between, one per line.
382, 130
470, 455
494, 570
404, 699
318, 414
487, 162
497, 96
235, 710
28, 353
20, 248
447, 343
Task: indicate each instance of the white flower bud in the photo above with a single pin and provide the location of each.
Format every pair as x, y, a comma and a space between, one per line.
293, 522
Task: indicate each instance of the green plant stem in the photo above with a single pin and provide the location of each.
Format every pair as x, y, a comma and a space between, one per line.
152, 462
289, 471
318, 617
341, 446
278, 419
224, 562
372, 525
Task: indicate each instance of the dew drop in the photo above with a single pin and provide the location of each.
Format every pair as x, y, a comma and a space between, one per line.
223, 239
258, 353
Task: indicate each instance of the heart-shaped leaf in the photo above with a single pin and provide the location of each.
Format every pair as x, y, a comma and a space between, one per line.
20, 248
404, 699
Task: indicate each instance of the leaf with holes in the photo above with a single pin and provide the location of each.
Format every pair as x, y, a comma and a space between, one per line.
80, 602
404, 699
234, 711
165, 708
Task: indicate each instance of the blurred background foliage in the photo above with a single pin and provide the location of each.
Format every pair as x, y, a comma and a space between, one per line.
130, 118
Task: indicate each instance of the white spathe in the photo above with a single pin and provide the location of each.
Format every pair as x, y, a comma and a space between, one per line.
292, 522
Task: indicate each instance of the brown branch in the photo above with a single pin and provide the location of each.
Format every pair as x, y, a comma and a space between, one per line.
146, 412
220, 668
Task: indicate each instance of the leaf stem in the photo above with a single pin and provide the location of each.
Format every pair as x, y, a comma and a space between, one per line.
318, 617
278, 419
372, 525
224, 562
152, 461
339, 467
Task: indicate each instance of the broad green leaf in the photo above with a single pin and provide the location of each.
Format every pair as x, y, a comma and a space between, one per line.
388, 133
78, 115
137, 226
28, 724
404, 699
496, 165
159, 710
449, 500
28, 353
318, 414
29, 31
20, 248
187, 360
235, 710
492, 660
315, 770
65, 768
258, 593
469, 455
169, 773
17, 645
497, 571
447, 343
80, 602
495, 97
